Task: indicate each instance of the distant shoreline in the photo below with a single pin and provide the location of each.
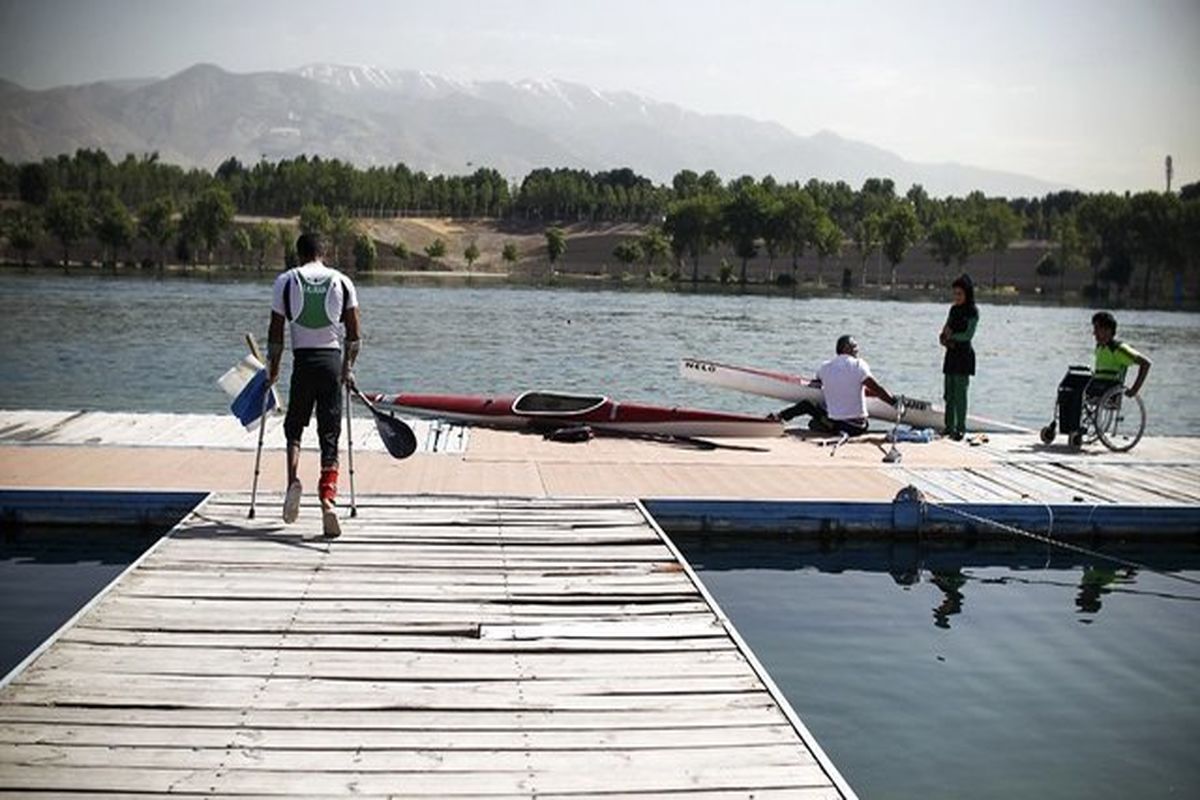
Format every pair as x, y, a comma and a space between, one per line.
584, 282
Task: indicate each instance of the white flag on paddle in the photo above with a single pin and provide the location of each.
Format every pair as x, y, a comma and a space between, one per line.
245, 382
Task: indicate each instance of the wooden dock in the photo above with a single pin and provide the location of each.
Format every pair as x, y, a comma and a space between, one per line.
212, 453
443, 647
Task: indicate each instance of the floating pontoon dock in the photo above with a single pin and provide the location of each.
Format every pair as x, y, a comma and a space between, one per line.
492, 623
442, 647
781, 485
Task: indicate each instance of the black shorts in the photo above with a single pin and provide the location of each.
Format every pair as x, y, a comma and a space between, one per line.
316, 380
851, 427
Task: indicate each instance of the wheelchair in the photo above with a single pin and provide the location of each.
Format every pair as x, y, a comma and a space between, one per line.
1090, 409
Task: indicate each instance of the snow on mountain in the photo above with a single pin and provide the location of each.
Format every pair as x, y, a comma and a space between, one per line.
374, 116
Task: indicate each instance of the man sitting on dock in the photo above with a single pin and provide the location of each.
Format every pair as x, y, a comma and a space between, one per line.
844, 381
320, 306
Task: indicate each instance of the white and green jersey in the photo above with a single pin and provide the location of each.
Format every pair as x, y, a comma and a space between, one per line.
313, 299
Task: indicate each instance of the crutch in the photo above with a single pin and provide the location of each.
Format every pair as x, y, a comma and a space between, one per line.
893, 455
350, 449
262, 428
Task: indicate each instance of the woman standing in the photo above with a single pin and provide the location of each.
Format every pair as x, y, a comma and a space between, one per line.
959, 364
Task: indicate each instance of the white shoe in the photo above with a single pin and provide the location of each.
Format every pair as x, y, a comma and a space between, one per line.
291, 502
330, 522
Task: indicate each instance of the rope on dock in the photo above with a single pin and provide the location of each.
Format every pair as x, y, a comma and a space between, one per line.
1046, 539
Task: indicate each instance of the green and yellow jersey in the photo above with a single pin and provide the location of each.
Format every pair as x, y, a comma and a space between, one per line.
1113, 359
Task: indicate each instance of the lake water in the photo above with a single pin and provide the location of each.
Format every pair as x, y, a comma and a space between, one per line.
924, 674
47, 574
964, 673
133, 344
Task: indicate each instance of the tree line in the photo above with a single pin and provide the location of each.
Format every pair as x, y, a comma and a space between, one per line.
188, 213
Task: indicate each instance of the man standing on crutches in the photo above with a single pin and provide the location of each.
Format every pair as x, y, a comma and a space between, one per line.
320, 306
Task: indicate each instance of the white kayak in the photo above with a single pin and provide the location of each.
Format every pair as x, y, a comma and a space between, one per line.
794, 388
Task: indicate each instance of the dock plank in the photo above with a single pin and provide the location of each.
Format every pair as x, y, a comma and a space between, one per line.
465, 647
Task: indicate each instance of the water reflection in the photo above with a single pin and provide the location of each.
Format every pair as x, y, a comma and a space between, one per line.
953, 567
1093, 585
951, 584
1005, 692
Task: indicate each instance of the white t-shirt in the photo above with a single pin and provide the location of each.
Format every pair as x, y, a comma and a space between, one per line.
842, 384
312, 298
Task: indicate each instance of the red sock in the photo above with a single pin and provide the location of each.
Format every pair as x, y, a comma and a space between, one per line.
327, 488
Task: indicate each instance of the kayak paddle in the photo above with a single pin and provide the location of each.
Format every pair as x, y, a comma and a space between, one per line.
397, 437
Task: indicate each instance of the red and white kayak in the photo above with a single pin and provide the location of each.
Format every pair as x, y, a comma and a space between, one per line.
794, 388
552, 410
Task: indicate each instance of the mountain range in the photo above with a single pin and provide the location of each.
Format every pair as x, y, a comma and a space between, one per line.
371, 116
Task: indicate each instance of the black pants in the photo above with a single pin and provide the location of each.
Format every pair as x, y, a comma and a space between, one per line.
316, 380
1075, 385
822, 421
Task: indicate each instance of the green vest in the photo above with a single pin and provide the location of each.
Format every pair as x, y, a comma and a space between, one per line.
313, 312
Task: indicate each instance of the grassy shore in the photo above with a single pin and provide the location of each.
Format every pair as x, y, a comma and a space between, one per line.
541, 277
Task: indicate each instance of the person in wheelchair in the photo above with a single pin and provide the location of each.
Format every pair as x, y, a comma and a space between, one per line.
1081, 386
1113, 358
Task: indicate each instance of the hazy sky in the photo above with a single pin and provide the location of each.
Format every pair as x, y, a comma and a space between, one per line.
1093, 93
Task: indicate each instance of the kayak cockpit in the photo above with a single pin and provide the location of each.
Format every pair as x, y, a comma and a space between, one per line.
557, 404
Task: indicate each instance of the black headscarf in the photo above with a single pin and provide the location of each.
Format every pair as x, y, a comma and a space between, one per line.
960, 315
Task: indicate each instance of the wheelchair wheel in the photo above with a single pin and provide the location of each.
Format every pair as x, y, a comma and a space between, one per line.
1075, 440
1049, 432
1120, 421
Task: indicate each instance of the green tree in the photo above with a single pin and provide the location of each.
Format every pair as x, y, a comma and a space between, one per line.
341, 230
556, 244
998, 227
67, 219
867, 233
1103, 222
773, 224
315, 219
23, 229
261, 236
400, 251
112, 224
187, 236
899, 230
869, 207
33, 184
242, 245
951, 240
212, 214
287, 243
925, 207
510, 254
1068, 248
156, 226
827, 239
654, 246
627, 252
694, 225
471, 254
686, 183
436, 249
800, 217
743, 218
1189, 218
364, 253
1156, 236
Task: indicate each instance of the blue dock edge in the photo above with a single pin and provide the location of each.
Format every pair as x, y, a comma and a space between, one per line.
910, 515
88, 507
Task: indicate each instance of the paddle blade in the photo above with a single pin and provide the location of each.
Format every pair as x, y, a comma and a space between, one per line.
397, 437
